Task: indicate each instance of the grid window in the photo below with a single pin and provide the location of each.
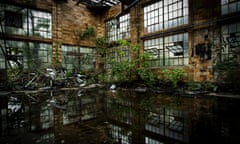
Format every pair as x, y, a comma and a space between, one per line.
155, 47
75, 58
167, 122
168, 51
88, 107
230, 6
149, 140
87, 59
120, 135
2, 57
40, 24
119, 54
28, 53
231, 40
24, 21
124, 26
165, 14
46, 118
42, 52
111, 27
118, 28
119, 109
73, 111
153, 17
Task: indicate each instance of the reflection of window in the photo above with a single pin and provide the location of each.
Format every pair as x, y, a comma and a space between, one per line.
46, 118
230, 6
165, 14
119, 110
120, 134
88, 108
72, 113
149, 140
168, 51
25, 21
118, 28
167, 122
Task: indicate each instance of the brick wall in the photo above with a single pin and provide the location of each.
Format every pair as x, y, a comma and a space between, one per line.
203, 15
68, 18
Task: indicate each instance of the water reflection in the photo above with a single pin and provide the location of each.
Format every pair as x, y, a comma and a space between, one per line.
126, 117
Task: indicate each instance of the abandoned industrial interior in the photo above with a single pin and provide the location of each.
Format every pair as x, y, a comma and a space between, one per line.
199, 37
69, 67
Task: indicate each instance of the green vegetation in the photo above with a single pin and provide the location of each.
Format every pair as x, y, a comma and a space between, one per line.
101, 46
174, 76
137, 68
87, 33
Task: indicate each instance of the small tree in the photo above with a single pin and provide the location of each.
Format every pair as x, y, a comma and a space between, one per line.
137, 68
86, 33
174, 76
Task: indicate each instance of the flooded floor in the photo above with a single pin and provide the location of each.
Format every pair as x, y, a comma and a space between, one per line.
80, 116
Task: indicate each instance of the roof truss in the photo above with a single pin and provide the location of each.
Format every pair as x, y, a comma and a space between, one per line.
103, 3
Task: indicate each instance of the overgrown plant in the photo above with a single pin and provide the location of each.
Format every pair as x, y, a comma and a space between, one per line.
174, 76
101, 46
143, 71
14, 77
86, 33
120, 71
137, 68
146, 75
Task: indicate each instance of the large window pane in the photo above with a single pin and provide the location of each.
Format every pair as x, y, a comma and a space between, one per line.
77, 58
25, 21
230, 41
168, 51
152, 16
118, 28
230, 6
165, 14
119, 54
27, 54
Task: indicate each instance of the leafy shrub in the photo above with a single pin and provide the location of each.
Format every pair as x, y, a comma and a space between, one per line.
174, 76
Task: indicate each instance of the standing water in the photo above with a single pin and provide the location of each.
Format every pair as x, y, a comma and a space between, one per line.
77, 116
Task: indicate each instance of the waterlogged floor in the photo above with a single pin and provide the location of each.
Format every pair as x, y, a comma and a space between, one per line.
80, 116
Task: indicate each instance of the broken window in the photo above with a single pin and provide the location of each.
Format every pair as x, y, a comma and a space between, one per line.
13, 19
168, 51
176, 48
233, 40
75, 58
25, 21
230, 41
118, 28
